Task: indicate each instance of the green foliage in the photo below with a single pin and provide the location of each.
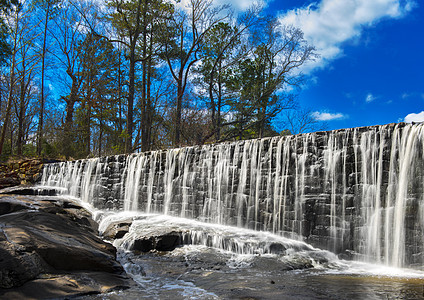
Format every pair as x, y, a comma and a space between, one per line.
29, 150
6, 6
128, 91
4, 45
7, 151
260, 80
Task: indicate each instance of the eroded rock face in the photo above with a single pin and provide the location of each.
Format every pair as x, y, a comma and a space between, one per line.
46, 242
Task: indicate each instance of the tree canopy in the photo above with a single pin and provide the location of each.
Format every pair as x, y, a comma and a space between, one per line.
85, 78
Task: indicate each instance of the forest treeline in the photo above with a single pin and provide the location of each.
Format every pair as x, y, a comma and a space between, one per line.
86, 78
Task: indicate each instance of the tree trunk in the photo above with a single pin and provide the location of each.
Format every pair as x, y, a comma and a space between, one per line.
131, 92
100, 130
41, 115
10, 95
150, 109
143, 125
68, 126
87, 118
178, 112
219, 104
8, 107
21, 116
120, 125
87, 131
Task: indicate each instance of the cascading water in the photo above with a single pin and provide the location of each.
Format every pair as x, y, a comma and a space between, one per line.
357, 190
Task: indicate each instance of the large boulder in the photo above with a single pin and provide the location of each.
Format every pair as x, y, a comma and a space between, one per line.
46, 242
62, 243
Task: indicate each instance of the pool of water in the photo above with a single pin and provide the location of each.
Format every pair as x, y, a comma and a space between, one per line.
205, 271
200, 273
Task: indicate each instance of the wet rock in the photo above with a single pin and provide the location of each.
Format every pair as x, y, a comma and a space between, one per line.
299, 263
276, 248
117, 230
49, 248
8, 181
347, 255
30, 191
161, 241
8, 207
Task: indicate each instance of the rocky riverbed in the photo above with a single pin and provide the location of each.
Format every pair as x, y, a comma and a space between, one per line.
50, 248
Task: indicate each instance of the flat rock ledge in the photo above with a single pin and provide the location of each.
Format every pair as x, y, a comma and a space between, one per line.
50, 248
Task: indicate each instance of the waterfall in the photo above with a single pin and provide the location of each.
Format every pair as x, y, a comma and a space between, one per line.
355, 191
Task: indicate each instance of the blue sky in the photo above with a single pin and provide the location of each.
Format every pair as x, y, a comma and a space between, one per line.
370, 69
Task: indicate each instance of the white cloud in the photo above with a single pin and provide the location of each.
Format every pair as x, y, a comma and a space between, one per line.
237, 5
406, 95
330, 23
414, 117
414, 95
325, 116
370, 98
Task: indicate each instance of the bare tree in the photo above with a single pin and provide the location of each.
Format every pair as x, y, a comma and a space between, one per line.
49, 8
69, 31
27, 69
301, 121
187, 31
22, 39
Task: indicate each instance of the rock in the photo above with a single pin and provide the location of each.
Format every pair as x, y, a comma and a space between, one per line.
7, 207
49, 248
277, 248
117, 230
30, 190
160, 241
17, 263
54, 237
8, 182
53, 286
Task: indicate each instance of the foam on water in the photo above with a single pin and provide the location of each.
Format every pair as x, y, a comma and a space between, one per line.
377, 270
160, 287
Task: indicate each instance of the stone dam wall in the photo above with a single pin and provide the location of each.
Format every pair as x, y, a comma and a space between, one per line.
357, 192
